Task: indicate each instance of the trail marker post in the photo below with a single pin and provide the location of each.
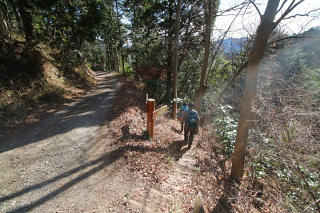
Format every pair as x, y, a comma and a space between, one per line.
152, 114
151, 103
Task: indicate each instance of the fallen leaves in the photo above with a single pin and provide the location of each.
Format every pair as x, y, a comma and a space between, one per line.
145, 157
151, 161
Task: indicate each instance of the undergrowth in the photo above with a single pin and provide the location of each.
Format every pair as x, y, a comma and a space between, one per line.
282, 168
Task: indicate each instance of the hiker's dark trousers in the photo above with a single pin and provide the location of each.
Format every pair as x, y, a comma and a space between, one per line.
188, 135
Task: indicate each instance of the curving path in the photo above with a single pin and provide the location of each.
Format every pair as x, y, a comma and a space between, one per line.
58, 165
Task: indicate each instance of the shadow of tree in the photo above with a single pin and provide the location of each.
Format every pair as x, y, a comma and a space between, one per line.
230, 193
174, 150
100, 163
88, 111
70, 117
125, 130
174, 129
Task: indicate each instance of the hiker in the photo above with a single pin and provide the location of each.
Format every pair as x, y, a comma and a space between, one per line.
191, 125
182, 115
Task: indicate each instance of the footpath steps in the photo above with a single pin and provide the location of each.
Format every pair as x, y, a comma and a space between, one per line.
169, 195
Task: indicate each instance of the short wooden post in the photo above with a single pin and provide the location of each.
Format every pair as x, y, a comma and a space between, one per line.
150, 118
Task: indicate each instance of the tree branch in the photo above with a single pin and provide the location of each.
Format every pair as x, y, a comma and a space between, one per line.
188, 74
245, 11
283, 3
255, 6
301, 15
231, 8
232, 79
287, 11
221, 41
285, 38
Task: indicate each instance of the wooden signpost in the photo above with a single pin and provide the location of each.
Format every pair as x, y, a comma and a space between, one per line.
150, 119
160, 111
152, 114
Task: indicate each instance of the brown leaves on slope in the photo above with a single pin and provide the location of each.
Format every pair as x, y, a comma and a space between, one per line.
219, 192
150, 158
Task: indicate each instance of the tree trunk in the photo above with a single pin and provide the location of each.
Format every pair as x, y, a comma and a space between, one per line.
169, 59
4, 26
262, 35
135, 41
120, 53
117, 62
122, 60
17, 16
7, 17
175, 62
54, 31
208, 22
26, 18
185, 44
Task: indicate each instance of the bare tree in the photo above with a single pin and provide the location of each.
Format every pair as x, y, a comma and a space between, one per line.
266, 27
175, 61
169, 58
208, 28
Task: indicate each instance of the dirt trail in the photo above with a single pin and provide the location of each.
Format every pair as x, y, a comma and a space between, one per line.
70, 162
56, 164
172, 194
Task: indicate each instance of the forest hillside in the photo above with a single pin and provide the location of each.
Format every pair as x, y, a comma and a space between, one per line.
37, 80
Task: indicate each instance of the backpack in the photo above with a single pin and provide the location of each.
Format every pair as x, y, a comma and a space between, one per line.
182, 113
192, 120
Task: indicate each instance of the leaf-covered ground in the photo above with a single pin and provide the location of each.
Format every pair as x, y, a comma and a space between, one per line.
113, 166
175, 172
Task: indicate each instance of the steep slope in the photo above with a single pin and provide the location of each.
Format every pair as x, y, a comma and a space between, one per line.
33, 79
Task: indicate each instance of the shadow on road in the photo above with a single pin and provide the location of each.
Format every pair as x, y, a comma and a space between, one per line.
229, 194
100, 163
88, 111
96, 108
174, 149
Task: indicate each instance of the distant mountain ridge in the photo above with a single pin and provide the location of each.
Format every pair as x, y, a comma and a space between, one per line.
233, 45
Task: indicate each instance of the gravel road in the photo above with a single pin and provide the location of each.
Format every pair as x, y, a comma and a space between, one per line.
59, 165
